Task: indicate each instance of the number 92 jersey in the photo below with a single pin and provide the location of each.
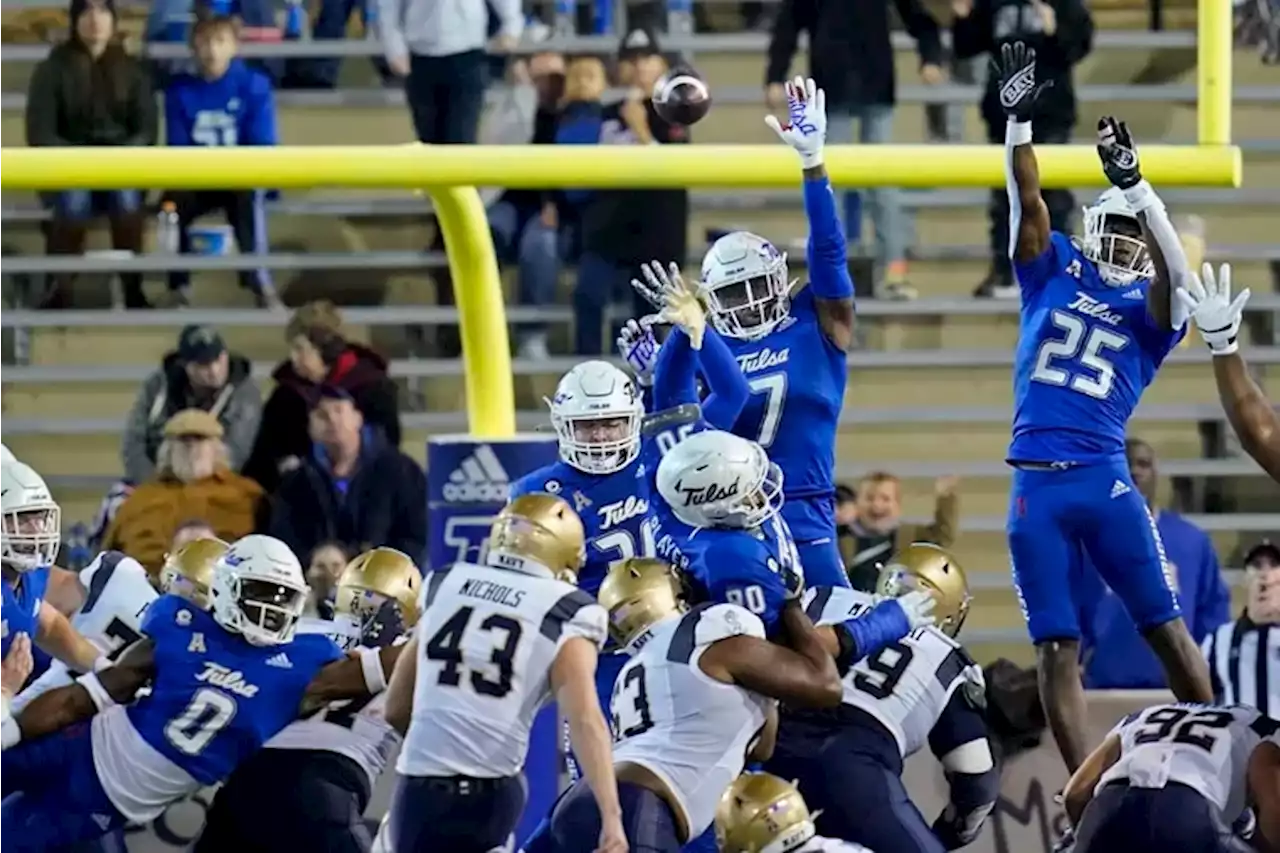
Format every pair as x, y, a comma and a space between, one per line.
1086, 352
486, 642
1204, 747
907, 685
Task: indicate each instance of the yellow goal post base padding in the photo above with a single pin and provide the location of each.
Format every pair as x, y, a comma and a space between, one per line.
451, 173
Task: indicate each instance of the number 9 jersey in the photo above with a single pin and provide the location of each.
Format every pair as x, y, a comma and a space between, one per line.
1204, 747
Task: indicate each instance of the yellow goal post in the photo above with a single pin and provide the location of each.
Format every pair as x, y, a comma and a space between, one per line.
450, 175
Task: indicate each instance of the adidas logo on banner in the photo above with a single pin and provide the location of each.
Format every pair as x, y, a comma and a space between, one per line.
1119, 488
1136, 293
479, 478
281, 661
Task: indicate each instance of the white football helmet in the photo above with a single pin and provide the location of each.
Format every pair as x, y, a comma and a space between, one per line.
259, 590
717, 479
744, 286
596, 413
32, 521
6, 455
1113, 240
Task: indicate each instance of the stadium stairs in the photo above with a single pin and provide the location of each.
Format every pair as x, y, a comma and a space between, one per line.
952, 370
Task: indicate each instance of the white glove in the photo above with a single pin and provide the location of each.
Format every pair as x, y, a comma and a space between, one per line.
806, 127
677, 304
1208, 300
639, 348
918, 606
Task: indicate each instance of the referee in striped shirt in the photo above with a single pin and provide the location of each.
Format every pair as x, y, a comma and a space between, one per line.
1244, 655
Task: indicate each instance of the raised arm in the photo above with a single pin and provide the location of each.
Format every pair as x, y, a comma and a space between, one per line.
805, 131
1029, 229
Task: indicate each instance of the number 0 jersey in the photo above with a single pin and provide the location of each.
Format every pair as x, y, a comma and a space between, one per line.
118, 593
687, 728
1204, 747
906, 687
486, 641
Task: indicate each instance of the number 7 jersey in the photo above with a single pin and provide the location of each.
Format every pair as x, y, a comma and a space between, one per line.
486, 642
1086, 352
1204, 747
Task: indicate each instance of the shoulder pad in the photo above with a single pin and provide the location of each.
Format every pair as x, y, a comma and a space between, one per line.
591, 622
721, 621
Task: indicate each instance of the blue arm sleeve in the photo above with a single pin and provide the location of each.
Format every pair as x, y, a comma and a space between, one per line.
828, 256
260, 120
674, 374
729, 389
868, 634
176, 130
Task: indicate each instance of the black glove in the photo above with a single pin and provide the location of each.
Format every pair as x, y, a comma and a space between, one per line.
1016, 72
1117, 152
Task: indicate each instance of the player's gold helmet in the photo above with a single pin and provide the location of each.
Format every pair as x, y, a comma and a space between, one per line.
372, 582
760, 813
921, 566
638, 592
542, 528
188, 572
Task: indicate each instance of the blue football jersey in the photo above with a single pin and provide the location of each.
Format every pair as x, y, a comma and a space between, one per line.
236, 109
1086, 352
612, 508
797, 379
742, 567
215, 697
21, 609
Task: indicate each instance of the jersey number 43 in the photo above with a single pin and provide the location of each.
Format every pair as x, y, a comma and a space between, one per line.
1089, 371
491, 678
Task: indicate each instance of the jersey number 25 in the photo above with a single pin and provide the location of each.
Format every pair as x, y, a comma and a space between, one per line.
1087, 348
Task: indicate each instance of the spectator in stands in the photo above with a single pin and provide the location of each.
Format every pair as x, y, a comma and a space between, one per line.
1126, 661
526, 224
878, 532
172, 21
846, 506
438, 46
189, 531
851, 58
199, 374
624, 228
89, 91
327, 562
1061, 31
224, 103
352, 487
319, 354
192, 478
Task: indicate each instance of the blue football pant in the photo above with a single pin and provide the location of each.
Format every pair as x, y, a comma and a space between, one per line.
61, 803
1055, 518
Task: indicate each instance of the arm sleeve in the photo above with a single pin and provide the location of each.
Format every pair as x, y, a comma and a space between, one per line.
390, 28
782, 44
675, 373
922, 27
177, 131
260, 123
42, 107
728, 388
826, 250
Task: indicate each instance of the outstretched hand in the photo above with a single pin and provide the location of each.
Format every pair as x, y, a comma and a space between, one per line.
677, 304
1207, 299
805, 129
1015, 72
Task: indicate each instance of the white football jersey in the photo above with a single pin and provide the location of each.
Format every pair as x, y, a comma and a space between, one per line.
907, 685
1205, 747
486, 641
354, 728
687, 728
118, 593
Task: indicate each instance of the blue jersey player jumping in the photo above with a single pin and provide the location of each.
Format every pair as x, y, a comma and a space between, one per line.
792, 348
1097, 321
222, 683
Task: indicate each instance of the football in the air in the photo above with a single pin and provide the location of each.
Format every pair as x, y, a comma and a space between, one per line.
681, 96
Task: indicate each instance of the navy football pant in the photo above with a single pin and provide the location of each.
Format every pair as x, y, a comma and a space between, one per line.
454, 813
1055, 518
1172, 819
574, 826
860, 798
59, 801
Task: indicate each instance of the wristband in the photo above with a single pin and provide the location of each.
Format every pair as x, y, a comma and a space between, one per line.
101, 698
1141, 197
375, 680
10, 734
1017, 133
